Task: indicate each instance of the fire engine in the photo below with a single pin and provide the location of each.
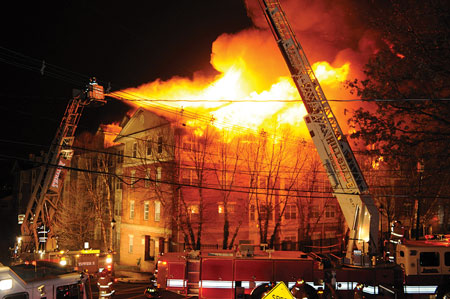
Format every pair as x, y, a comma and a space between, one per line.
42, 280
90, 261
417, 268
36, 223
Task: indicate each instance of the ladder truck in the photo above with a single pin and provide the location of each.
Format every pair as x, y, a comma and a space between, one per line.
424, 266
347, 180
36, 223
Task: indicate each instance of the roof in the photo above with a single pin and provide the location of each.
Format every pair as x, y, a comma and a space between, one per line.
42, 270
142, 120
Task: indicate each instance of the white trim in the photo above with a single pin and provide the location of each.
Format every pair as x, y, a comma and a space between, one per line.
217, 284
176, 283
420, 289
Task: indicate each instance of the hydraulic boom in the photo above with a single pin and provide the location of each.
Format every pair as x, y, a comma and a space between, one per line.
347, 180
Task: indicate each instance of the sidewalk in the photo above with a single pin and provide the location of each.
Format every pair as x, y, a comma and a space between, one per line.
132, 276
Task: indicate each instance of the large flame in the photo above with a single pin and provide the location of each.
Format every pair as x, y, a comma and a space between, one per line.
253, 88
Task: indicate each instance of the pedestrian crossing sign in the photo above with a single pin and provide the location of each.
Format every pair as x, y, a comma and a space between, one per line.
280, 291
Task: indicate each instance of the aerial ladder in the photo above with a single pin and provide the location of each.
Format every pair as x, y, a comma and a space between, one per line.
343, 171
36, 223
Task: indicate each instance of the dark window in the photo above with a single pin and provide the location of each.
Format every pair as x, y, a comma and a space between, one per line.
149, 148
402, 253
119, 157
17, 296
134, 150
160, 144
68, 291
291, 212
413, 252
447, 258
429, 259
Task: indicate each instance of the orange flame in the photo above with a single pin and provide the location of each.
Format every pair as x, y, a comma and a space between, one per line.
252, 89
110, 132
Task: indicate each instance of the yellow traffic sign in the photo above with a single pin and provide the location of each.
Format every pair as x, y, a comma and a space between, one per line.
280, 291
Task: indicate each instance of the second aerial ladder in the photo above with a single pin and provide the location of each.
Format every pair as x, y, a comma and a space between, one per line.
347, 180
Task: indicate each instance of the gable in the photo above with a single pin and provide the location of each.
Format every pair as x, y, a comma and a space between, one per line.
142, 120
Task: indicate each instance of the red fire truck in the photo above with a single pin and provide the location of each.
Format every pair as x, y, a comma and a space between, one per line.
230, 274
91, 261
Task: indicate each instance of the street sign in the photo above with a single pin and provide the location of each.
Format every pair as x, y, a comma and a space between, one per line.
280, 291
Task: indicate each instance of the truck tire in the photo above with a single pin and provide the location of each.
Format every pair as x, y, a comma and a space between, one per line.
258, 292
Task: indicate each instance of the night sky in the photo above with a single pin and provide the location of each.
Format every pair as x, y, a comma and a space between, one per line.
124, 43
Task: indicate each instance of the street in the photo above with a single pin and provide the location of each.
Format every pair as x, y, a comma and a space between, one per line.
131, 291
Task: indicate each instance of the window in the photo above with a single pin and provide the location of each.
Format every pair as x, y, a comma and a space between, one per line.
158, 173
133, 179
120, 157
134, 150
146, 210
131, 209
157, 210
193, 209
429, 259
252, 212
188, 145
67, 291
17, 296
330, 211
189, 176
130, 243
118, 184
265, 212
314, 212
447, 258
290, 212
160, 144
149, 147
147, 179
230, 208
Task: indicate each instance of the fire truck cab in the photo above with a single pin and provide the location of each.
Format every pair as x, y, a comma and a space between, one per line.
41, 280
426, 265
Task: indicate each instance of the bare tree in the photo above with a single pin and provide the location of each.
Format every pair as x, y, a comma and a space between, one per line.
92, 192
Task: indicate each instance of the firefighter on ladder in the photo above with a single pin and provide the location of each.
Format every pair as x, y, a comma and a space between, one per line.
104, 283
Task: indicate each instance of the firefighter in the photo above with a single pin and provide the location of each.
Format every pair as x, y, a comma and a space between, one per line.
299, 289
358, 292
105, 281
